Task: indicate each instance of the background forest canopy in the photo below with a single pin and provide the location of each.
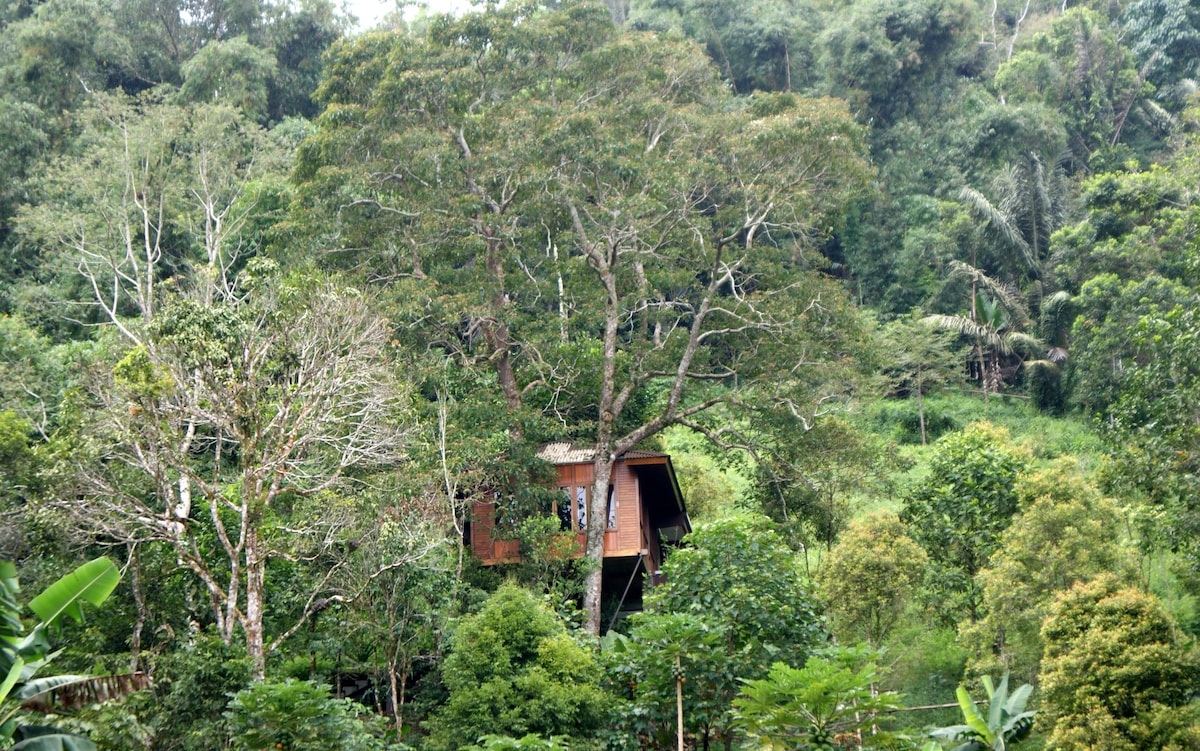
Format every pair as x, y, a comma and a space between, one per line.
280, 301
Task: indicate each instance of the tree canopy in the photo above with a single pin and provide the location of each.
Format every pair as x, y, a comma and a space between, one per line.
287, 306
589, 216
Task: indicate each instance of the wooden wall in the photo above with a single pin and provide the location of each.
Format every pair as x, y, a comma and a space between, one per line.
626, 540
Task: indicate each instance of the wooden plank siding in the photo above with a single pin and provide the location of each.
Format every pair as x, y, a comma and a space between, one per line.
483, 521
628, 538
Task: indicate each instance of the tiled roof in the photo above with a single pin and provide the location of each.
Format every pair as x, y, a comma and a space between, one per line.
644, 455
562, 452
565, 453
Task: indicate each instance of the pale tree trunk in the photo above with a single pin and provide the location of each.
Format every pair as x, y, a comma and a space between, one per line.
139, 600
602, 463
253, 621
229, 619
1017, 29
594, 550
397, 699
678, 703
496, 330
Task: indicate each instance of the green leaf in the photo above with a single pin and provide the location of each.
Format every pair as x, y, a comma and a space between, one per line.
42, 738
971, 715
33, 689
93, 582
1016, 702
10, 680
996, 697
8, 576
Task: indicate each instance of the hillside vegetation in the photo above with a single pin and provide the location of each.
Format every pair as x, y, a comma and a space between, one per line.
907, 289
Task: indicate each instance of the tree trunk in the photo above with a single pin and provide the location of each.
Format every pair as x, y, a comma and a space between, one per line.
921, 406
139, 600
609, 409
678, 703
253, 622
397, 698
594, 550
496, 330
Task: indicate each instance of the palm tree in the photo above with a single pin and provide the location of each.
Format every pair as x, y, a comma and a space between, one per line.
1058, 313
995, 326
1045, 374
1030, 205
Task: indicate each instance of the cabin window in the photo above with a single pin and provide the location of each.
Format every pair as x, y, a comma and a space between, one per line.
572, 512
581, 506
564, 511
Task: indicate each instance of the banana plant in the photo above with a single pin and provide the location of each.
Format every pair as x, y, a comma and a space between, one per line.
23, 654
1006, 722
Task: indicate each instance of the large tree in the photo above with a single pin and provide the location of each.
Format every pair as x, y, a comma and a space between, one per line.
231, 434
869, 578
1064, 534
235, 401
589, 217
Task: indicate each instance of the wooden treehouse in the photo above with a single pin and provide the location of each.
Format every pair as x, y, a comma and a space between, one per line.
645, 512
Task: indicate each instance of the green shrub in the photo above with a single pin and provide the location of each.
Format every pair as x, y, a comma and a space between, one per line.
1117, 673
297, 716
513, 670
193, 685
958, 512
900, 421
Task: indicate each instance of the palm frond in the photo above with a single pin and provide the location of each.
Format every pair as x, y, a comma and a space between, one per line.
1006, 294
1025, 343
1049, 208
1180, 91
958, 324
988, 337
1009, 185
1041, 188
1157, 116
1045, 366
1000, 221
1056, 315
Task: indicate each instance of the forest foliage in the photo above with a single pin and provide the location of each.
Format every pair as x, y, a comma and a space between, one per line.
906, 287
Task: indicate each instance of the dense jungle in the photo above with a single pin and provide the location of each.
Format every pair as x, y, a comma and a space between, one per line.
905, 289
